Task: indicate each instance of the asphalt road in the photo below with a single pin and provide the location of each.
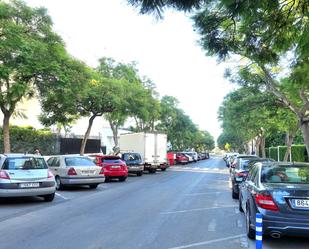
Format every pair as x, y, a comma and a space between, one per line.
185, 207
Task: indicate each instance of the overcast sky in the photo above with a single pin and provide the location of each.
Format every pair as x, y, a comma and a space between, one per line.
166, 50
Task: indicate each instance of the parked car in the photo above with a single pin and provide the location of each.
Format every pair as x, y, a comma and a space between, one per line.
239, 169
75, 170
229, 158
193, 155
279, 192
134, 163
114, 167
26, 175
181, 158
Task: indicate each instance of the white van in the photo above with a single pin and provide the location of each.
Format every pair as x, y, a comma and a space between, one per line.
192, 154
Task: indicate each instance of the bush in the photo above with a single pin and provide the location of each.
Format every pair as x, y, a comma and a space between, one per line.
282, 151
273, 153
299, 153
26, 139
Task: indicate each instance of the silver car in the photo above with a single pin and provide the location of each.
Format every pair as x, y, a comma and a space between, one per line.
75, 170
26, 175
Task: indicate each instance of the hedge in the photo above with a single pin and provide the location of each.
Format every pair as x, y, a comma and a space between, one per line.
299, 153
26, 139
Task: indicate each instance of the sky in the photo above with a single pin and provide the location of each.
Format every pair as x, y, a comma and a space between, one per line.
166, 51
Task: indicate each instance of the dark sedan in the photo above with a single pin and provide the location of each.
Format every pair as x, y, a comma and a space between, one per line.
239, 169
280, 192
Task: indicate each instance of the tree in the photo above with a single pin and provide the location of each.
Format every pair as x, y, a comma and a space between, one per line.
158, 6
30, 55
266, 35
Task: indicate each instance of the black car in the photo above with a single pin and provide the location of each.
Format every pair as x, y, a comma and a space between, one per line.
239, 169
134, 163
280, 193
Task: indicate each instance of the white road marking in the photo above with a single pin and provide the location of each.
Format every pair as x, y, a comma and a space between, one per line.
209, 242
212, 225
63, 197
198, 209
205, 193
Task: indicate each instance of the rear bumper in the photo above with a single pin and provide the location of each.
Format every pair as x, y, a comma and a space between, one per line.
286, 226
135, 169
82, 181
27, 192
115, 173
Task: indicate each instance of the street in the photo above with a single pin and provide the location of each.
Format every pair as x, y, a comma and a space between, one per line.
187, 206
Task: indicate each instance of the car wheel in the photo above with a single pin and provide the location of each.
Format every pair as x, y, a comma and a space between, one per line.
107, 179
240, 207
234, 194
59, 185
93, 186
139, 173
49, 198
151, 171
163, 169
249, 230
122, 179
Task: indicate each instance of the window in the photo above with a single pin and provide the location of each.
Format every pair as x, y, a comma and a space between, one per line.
111, 160
79, 161
285, 173
24, 163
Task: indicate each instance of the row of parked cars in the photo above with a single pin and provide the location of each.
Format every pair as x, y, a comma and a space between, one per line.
32, 175
277, 190
188, 157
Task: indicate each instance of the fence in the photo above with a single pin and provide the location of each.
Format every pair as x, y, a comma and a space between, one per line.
298, 153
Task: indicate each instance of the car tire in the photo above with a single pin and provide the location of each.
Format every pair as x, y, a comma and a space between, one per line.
107, 179
151, 171
49, 198
239, 204
59, 185
250, 232
139, 173
163, 169
234, 194
93, 186
122, 179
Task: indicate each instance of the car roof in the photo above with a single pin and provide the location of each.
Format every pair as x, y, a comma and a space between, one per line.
20, 155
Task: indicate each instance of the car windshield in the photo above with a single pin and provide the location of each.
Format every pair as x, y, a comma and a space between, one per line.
289, 174
79, 161
24, 163
132, 157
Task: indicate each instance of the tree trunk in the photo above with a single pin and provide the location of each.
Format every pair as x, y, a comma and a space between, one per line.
257, 146
305, 132
84, 142
263, 146
115, 133
6, 133
289, 141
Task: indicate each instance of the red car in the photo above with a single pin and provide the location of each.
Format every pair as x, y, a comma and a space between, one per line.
181, 158
113, 166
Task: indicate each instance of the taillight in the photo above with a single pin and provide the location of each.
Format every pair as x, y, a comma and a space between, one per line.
240, 174
102, 171
49, 174
72, 172
266, 202
4, 175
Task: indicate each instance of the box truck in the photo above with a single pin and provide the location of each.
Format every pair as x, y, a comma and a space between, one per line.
151, 146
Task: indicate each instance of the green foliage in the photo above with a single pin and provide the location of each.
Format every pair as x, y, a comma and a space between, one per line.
299, 153
273, 153
282, 151
27, 139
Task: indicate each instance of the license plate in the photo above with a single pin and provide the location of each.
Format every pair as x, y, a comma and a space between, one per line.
88, 172
30, 185
115, 167
301, 203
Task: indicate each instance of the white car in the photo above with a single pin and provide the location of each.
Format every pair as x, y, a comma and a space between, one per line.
75, 170
192, 154
26, 175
